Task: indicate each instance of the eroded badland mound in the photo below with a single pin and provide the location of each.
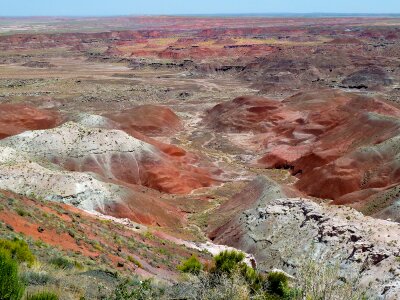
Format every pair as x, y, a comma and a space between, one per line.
341, 146
129, 144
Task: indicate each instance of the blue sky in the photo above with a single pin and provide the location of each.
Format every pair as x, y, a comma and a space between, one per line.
134, 7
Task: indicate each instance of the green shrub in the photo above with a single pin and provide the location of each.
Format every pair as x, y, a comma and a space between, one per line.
62, 263
192, 265
254, 279
277, 283
19, 250
11, 286
42, 296
231, 262
227, 262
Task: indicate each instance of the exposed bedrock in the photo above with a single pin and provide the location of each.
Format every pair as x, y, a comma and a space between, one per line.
286, 232
372, 77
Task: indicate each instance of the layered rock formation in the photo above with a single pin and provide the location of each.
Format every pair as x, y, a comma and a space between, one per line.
21, 174
367, 78
287, 232
112, 154
341, 146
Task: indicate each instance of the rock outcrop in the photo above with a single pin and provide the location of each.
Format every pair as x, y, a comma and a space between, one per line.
367, 78
286, 232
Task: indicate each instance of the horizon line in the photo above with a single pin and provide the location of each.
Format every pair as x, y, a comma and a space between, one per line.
272, 14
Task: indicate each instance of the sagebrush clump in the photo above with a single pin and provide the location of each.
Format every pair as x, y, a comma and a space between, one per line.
44, 295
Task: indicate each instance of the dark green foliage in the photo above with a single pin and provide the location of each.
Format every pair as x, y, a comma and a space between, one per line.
254, 279
230, 262
227, 262
42, 296
19, 250
11, 286
192, 265
277, 283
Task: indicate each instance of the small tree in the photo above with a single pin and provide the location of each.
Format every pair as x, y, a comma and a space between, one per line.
192, 265
11, 286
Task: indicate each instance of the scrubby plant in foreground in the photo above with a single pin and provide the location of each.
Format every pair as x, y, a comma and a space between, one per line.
62, 263
317, 280
136, 289
44, 295
232, 262
192, 265
230, 278
11, 286
18, 250
278, 283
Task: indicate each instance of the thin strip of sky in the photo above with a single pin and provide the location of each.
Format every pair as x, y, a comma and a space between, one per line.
176, 7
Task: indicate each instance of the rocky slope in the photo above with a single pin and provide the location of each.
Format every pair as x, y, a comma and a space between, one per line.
287, 232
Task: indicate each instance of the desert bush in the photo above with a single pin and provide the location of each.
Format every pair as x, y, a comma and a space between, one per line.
227, 262
136, 289
42, 296
62, 263
18, 250
36, 278
318, 280
135, 261
11, 286
232, 262
192, 265
211, 286
277, 283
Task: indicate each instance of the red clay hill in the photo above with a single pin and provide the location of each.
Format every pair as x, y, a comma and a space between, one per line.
16, 118
342, 146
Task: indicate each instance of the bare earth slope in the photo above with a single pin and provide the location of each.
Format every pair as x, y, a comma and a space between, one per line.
341, 146
113, 154
286, 232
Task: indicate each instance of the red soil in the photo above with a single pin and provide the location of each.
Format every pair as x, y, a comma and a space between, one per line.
176, 172
148, 119
16, 118
327, 138
145, 206
49, 236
